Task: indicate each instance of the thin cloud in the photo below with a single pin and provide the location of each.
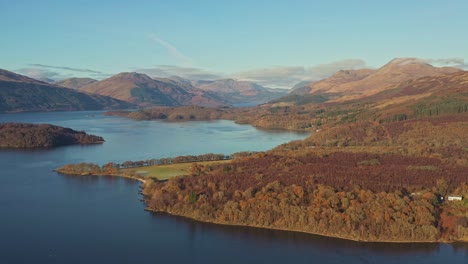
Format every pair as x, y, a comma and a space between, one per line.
65, 68
190, 73
173, 51
39, 74
275, 77
449, 62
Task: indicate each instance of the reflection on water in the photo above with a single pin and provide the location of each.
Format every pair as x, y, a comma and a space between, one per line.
263, 236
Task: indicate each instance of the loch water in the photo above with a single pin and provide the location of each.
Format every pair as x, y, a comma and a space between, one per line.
50, 218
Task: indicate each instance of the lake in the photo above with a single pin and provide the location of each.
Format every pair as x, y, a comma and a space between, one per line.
50, 218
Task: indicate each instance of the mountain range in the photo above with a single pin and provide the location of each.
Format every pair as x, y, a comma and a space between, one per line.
145, 91
137, 90
364, 82
124, 90
20, 93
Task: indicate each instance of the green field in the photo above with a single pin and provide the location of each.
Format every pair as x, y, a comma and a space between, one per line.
164, 172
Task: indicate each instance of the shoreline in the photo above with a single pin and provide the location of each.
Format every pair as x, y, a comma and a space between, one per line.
303, 232
98, 175
143, 181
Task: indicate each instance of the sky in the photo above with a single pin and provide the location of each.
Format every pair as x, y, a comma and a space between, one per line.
274, 43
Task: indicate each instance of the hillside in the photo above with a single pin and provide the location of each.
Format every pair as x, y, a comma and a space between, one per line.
239, 91
75, 83
18, 135
142, 90
19, 93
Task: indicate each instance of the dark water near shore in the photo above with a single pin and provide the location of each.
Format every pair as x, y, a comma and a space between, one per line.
48, 218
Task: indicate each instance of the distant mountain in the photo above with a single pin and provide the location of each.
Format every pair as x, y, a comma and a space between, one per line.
140, 89
20, 93
239, 91
394, 72
300, 88
346, 85
75, 83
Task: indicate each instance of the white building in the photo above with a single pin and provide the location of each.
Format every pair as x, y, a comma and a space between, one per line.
455, 198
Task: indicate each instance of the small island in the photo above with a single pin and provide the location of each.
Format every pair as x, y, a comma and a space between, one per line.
22, 135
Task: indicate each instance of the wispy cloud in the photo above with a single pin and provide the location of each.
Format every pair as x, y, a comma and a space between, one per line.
190, 73
450, 62
40, 74
173, 51
65, 68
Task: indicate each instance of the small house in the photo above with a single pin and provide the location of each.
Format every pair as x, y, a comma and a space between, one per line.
454, 198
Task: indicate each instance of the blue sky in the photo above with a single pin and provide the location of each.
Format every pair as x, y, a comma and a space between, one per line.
275, 43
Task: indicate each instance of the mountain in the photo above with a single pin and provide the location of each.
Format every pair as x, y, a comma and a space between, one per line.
239, 91
140, 89
20, 93
75, 83
394, 72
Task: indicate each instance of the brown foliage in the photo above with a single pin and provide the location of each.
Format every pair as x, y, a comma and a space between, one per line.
18, 135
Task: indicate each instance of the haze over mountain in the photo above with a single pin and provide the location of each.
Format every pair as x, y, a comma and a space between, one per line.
239, 91
20, 93
75, 83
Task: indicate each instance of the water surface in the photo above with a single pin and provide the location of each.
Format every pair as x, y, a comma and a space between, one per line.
49, 218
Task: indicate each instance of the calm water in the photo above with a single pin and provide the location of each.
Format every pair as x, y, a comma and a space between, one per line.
48, 218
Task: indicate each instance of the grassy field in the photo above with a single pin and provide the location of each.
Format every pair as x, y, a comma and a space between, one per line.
164, 172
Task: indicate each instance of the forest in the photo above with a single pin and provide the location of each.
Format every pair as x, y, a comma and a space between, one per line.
355, 196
